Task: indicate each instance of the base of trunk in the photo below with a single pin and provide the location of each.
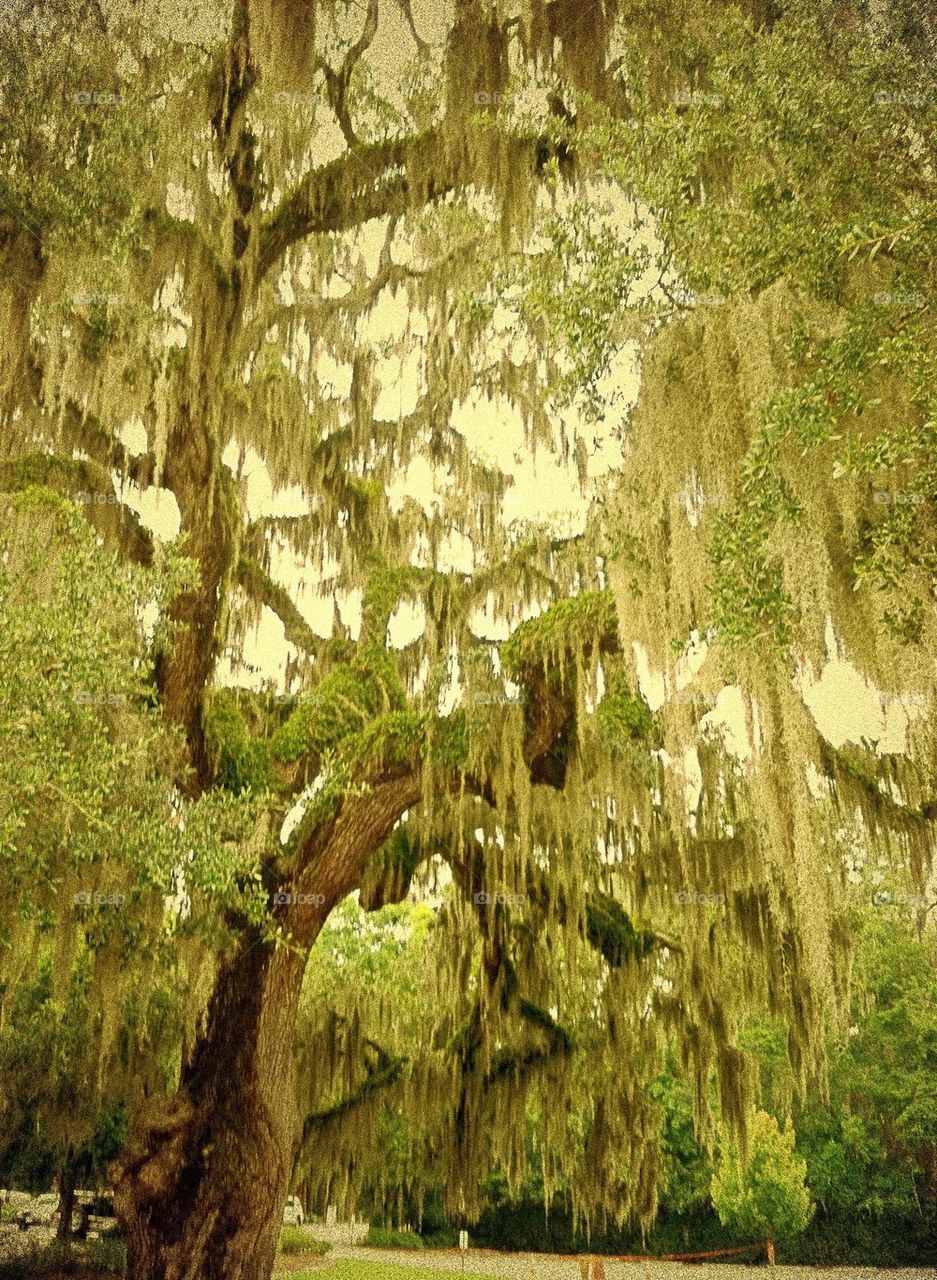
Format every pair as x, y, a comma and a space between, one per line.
199, 1202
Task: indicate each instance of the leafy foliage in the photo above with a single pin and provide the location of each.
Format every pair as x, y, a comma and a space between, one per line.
766, 1197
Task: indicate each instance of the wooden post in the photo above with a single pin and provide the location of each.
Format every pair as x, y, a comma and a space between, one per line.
770, 1253
598, 1269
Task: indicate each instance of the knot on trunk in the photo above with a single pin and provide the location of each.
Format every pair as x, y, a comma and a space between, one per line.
157, 1153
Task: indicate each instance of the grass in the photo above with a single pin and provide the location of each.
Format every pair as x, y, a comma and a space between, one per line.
349, 1269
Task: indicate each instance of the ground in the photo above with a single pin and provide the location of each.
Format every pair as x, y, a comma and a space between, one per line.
357, 1263
371, 1264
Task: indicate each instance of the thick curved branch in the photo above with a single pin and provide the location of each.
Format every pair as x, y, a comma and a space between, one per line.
259, 585
376, 180
83, 431
373, 180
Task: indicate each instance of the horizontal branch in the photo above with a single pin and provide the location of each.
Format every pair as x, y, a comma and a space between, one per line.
507, 1065
372, 180
387, 1073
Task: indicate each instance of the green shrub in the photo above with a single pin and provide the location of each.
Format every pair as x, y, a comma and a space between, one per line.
444, 1238
379, 1238
296, 1240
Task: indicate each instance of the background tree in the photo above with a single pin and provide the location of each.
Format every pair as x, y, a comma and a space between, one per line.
765, 1197
89, 840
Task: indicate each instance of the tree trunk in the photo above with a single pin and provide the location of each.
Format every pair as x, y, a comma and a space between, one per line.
194, 475
67, 1178
200, 1188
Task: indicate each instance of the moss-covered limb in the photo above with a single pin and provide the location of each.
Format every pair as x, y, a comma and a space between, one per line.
549, 716
89, 484
388, 586
509, 1066
61, 475
259, 585
578, 624
542, 656
860, 770
390, 870
85, 433
609, 928
624, 717
364, 183
189, 241
388, 179
611, 931
345, 702
386, 1071
545, 1022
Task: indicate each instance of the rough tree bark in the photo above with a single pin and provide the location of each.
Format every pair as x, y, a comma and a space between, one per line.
202, 1182
199, 1189
67, 1179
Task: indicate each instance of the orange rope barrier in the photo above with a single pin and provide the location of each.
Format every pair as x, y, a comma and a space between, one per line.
685, 1257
